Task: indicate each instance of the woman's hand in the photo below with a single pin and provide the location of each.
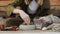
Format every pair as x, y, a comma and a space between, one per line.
27, 20
42, 19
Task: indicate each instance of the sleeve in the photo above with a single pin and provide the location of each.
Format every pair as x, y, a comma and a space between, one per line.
50, 26
9, 10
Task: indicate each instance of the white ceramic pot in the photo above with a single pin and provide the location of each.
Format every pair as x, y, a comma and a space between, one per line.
27, 27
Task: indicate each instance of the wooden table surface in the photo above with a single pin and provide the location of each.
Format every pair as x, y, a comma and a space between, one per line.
24, 31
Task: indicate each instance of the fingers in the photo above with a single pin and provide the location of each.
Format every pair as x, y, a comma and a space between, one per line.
27, 20
42, 19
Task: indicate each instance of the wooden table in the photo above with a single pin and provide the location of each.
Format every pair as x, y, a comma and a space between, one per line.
25, 31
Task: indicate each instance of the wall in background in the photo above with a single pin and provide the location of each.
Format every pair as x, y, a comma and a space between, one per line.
55, 4
5, 2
